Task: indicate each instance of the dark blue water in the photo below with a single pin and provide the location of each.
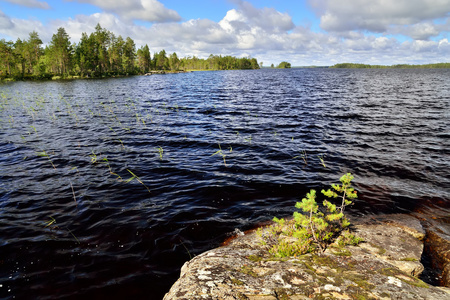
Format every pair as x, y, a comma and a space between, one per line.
73, 225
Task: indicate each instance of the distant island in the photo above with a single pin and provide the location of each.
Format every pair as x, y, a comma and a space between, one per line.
99, 54
399, 66
282, 65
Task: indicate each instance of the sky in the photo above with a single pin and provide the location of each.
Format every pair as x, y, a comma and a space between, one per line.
302, 32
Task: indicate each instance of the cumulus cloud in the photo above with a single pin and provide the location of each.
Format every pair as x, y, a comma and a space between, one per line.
243, 32
266, 18
381, 15
420, 31
5, 21
18, 28
144, 10
30, 3
257, 28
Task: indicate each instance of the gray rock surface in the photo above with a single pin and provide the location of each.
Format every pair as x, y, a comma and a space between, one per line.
385, 266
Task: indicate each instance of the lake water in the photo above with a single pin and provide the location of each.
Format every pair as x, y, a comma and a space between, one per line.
108, 186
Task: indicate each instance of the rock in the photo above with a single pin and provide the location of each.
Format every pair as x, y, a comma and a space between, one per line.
393, 244
382, 267
155, 72
439, 249
408, 223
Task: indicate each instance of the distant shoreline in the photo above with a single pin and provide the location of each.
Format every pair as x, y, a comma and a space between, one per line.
367, 66
398, 66
30, 77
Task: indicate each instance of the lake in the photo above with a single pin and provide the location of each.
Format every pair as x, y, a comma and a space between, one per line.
108, 186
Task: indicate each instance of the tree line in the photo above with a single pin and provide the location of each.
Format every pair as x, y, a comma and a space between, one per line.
98, 54
398, 66
281, 65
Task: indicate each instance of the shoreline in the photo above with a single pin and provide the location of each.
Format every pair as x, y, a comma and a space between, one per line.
387, 265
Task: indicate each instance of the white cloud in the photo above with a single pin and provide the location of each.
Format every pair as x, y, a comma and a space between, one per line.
424, 46
5, 22
30, 3
240, 33
382, 15
144, 10
267, 19
13, 29
420, 31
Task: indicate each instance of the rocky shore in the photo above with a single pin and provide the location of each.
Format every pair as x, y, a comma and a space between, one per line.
160, 72
385, 266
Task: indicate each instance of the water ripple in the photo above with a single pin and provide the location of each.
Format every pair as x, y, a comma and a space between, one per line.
108, 186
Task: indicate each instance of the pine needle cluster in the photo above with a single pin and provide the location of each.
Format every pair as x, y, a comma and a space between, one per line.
313, 228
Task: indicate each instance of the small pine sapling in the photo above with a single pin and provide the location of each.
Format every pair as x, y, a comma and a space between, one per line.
313, 228
346, 192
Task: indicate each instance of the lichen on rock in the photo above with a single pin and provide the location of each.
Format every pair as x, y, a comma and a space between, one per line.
385, 266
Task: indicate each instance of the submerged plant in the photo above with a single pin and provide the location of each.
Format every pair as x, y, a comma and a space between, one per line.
314, 227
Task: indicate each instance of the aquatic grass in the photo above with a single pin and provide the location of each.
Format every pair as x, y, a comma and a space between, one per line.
303, 156
134, 176
187, 250
160, 152
51, 224
220, 152
93, 157
322, 161
44, 154
73, 193
106, 161
76, 239
140, 119
120, 141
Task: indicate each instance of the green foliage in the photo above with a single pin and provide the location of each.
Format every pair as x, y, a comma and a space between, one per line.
346, 238
286, 248
345, 191
218, 62
98, 54
284, 65
314, 227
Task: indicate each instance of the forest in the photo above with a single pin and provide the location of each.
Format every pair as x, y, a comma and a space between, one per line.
398, 66
99, 54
